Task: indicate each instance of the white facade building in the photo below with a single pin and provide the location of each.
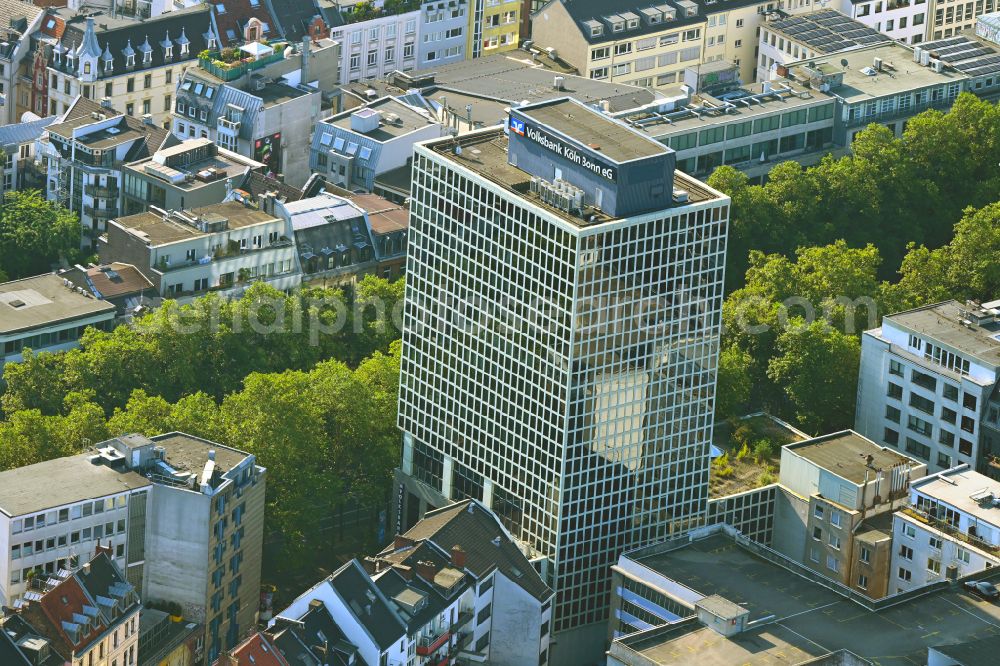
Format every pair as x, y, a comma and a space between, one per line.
586, 432
373, 48
903, 20
928, 381
951, 530
44, 313
222, 247
442, 32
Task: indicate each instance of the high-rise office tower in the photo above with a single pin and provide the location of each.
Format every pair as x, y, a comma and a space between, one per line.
560, 342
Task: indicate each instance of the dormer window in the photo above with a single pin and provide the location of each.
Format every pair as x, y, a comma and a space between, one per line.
147, 57
168, 52
109, 65
617, 26
184, 49
596, 30
633, 23
130, 60
86, 68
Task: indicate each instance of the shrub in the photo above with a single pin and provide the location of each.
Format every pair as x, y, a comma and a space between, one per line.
763, 449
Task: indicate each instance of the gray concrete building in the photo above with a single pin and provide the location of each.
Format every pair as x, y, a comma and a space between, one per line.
928, 384
183, 518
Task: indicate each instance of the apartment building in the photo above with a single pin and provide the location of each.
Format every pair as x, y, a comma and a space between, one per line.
569, 211
190, 508
928, 382
952, 17
807, 36
651, 43
850, 487
374, 45
18, 20
222, 248
83, 154
122, 285
444, 28
268, 120
191, 174
22, 169
494, 27
134, 63
419, 601
907, 21
352, 148
950, 530
44, 313
90, 614
977, 56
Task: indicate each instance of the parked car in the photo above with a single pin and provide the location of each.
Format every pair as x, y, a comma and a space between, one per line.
983, 589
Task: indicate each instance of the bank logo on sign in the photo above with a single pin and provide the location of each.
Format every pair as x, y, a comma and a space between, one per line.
517, 126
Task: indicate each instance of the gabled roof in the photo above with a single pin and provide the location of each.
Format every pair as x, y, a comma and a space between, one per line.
257, 183
487, 545
18, 133
231, 17
257, 650
190, 24
15, 634
17, 15
368, 604
304, 642
113, 280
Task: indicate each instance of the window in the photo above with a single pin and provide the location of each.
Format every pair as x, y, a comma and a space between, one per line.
916, 448
963, 555
130, 84
863, 582
895, 368
965, 447
817, 534
835, 541
935, 542
814, 555
951, 392
946, 438
147, 81
968, 424
969, 401
818, 511
894, 391
918, 425
904, 574
892, 413
949, 415
923, 380
866, 555
909, 530
890, 436
943, 460
921, 403
835, 517
831, 563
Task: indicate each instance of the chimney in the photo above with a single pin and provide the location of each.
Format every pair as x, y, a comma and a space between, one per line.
458, 556
304, 67
403, 570
109, 549
86, 568
106, 102
232, 659
426, 570
401, 541
147, 119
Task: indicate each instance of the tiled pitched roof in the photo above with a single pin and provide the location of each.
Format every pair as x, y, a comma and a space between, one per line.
53, 26
487, 545
17, 15
115, 279
231, 18
257, 183
256, 651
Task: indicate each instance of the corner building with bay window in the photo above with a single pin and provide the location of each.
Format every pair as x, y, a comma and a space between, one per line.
560, 345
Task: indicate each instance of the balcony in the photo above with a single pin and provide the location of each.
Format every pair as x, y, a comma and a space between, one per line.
950, 530
885, 116
427, 645
230, 125
101, 192
100, 213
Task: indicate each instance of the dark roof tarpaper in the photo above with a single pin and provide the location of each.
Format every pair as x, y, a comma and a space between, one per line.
194, 22
15, 628
293, 16
982, 652
301, 643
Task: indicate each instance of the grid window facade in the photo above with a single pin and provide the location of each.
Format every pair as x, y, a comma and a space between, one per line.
569, 371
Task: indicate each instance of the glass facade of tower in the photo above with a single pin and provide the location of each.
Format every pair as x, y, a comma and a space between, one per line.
561, 372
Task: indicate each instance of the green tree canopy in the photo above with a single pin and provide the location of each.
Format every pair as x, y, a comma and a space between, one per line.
34, 234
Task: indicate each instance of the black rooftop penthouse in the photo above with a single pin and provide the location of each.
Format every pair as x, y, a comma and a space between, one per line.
590, 159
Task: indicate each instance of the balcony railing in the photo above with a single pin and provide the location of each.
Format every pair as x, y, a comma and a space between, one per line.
895, 113
950, 530
428, 644
232, 125
101, 192
230, 71
102, 213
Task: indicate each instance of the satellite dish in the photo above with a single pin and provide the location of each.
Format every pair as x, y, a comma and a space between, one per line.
844, 63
